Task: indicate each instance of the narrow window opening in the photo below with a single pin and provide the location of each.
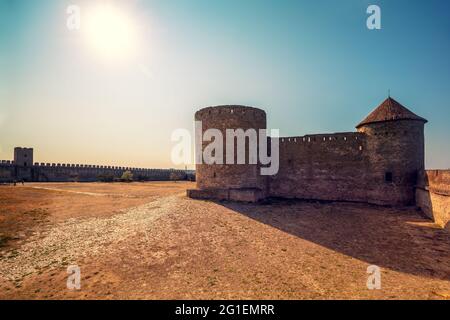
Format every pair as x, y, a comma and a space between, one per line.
388, 177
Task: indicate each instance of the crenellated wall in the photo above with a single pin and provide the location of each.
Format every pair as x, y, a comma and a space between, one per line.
7, 171
61, 172
377, 164
322, 167
433, 195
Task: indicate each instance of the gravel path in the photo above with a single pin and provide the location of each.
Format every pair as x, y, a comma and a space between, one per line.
94, 194
68, 241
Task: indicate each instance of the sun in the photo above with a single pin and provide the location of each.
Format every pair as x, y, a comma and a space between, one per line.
110, 32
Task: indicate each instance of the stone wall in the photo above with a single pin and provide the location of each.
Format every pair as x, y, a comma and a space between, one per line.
433, 195
7, 171
352, 166
322, 167
377, 164
57, 172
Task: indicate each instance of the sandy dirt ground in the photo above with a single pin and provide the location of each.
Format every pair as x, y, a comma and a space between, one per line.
149, 241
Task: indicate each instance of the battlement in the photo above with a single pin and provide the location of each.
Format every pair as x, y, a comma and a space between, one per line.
230, 111
326, 139
6, 162
23, 149
322, 147
88, 166
62, 172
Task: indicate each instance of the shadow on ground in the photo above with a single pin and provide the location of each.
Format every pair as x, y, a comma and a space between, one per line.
398, 239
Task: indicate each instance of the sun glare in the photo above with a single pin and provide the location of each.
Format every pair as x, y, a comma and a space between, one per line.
110, 32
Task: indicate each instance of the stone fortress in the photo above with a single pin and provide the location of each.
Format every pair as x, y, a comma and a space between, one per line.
381, 163
22, 168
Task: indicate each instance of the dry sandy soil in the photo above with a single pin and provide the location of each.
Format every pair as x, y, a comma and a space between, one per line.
149, 241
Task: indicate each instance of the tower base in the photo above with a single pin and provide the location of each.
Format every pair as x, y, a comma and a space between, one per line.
240, 195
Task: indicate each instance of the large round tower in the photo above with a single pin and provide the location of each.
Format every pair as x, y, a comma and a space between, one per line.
230, 181
395, 151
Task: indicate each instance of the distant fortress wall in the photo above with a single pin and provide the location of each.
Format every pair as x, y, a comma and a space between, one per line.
57, 172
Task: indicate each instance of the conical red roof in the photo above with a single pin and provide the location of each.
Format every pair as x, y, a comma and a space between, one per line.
390, 110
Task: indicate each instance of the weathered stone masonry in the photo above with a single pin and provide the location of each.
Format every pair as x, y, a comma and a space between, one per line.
22, 168
377, 164
433, 195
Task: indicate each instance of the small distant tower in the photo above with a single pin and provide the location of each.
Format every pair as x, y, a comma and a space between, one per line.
23, 157
395, 151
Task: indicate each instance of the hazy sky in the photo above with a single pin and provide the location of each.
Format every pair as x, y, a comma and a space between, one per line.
312, 65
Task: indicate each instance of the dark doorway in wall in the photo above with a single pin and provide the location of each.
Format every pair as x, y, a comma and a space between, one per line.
24, 164
388, 177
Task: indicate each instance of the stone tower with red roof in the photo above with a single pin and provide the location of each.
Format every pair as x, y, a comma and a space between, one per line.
395, 151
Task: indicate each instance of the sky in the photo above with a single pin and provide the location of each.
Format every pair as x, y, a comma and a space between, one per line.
313, 66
